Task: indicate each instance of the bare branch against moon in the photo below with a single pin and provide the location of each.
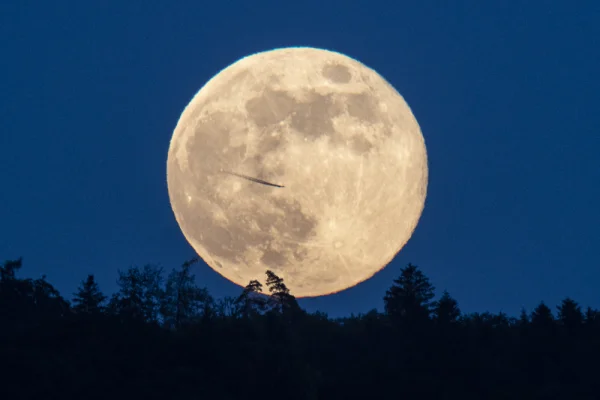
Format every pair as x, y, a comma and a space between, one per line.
341, 138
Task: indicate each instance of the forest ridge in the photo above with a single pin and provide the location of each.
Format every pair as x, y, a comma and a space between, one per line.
165, 337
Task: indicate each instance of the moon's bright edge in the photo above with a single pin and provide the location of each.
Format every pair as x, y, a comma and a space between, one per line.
339, 138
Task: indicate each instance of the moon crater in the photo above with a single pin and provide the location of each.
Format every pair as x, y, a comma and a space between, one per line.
336, 73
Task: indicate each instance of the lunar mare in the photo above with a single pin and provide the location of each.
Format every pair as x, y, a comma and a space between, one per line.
339, 138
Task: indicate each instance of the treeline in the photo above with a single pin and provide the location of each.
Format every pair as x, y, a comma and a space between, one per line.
165, 337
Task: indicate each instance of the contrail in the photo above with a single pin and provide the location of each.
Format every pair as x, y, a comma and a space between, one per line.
253, 179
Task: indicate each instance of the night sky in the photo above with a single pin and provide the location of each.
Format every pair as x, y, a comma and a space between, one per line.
506, 94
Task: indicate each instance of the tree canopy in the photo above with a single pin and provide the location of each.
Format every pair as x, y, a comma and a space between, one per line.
167, 337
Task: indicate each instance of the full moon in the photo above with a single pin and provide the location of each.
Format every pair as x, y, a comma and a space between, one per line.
301, 161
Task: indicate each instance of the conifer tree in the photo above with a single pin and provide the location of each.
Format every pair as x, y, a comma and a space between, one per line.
570, 315
281, 300
542, 318
251, 301
446, 310
410, 297
88, 299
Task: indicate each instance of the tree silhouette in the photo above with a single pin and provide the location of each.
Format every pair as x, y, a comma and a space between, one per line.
251, 301
281, 300
140, 294
47, 300
523, 318
227, 307
446, 310
183, 301
410, 297
13, 303
9, 268
89, 299
570, 315
541, 317
592, 318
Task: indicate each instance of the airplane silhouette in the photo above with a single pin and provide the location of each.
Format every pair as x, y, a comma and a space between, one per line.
253, 179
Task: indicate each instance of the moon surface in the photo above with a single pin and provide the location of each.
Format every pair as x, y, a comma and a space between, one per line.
341, 149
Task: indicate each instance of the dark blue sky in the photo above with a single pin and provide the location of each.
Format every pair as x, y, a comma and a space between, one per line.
506, 93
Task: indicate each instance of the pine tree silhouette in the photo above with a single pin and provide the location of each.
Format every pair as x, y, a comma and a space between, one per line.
89, 299
570, 316
281, 300
446, 310
410, 297
541, 317
251, 302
